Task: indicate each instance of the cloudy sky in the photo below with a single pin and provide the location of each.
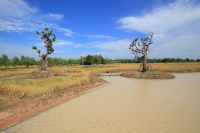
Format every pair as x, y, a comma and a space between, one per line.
105, 27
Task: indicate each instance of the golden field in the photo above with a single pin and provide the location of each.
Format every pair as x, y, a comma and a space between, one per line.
18, 70
79, 76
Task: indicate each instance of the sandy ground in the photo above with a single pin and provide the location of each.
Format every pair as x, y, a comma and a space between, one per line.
35, 106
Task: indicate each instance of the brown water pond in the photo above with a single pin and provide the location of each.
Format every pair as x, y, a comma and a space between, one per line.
126, 105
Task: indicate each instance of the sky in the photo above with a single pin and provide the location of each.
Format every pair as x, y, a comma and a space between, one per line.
105, 27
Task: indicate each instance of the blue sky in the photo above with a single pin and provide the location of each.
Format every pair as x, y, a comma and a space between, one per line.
105, 27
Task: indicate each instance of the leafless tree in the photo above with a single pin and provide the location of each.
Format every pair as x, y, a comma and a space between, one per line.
142, 50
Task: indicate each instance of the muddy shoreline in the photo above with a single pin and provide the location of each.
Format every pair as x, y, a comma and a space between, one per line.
30, 108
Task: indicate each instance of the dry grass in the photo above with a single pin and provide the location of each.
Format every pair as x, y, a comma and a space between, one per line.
38, 87
18, 67
148, 75
177, 67
79, 76
14, 72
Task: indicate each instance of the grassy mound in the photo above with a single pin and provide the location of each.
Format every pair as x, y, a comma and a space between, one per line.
148, 75
97, 66
42, 74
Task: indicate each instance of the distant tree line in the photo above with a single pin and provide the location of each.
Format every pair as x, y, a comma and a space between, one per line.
23, 60
154, 60
28, 61
87, 60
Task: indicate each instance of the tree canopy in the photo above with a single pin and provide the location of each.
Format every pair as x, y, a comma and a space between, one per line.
49, 37
141, 50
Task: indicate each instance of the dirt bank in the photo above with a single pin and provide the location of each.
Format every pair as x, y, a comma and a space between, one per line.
32, 107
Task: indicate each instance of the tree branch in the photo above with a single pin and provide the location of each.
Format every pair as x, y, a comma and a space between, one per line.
149, 52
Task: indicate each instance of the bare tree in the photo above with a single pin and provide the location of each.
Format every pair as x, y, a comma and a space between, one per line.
49, 37
142, 50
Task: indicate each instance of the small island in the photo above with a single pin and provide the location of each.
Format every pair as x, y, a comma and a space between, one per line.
148, 75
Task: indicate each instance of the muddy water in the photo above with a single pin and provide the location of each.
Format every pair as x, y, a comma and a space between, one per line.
19, 78
127, 105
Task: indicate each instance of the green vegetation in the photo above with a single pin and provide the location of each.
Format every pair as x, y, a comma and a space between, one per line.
46, 36
5, 61
26, 61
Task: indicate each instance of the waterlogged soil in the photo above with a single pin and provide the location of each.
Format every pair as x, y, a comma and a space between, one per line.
18, 79
126, 105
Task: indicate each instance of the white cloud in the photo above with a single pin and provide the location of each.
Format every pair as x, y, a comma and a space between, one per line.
57, 43
175, 26
62, 43
57, 51
15, 8
100, 37
78, 45
119, 45
114, 55
53, 16
30, 25
18, 16
68, 32
164, 19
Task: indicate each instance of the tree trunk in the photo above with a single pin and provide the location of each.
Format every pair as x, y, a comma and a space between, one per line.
43, 63
144, 68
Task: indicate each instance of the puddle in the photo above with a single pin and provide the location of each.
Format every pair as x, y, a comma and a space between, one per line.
111, 74
18, 79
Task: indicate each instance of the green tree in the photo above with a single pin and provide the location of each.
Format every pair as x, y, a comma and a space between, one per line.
160, 60
71, 61
89, 60
142, 49
15, 61
97, 59
65, 62
62, 61
51, 61
33, 61
81, 60
179, 60
46, 35
27, 61
187, 59
39, 62
167, 60
56, 61
5, 60
105, 61
191, 60
22, 60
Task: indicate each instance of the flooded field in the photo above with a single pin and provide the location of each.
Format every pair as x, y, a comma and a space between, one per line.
19, 78
126, 105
